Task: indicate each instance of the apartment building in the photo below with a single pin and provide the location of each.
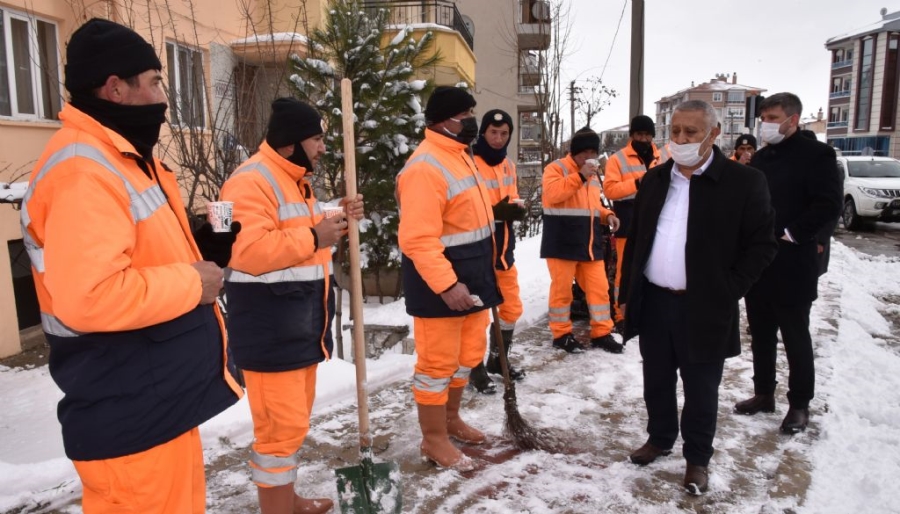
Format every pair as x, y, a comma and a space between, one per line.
862, 104
724, 93
224, 62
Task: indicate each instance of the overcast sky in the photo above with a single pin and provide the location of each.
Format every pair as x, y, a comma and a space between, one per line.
778, 45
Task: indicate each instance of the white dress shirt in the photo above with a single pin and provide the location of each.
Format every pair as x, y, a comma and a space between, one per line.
665, 267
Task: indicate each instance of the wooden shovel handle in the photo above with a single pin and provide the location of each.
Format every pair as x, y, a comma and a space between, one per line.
356, 298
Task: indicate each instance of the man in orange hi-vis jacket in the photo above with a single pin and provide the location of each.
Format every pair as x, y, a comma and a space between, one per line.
572, 242
280, 298
621, 180
128, 302
499, 174
446, 236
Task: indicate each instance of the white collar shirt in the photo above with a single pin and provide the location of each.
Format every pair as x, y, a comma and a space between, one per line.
666, 265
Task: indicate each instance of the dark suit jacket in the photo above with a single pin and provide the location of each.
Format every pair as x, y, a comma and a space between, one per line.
730, 240
806, 190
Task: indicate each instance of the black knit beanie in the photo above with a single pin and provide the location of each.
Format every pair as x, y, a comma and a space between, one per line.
584, 139
101, 48
495, 117
292, 121
446, 102
746, 139
642, 123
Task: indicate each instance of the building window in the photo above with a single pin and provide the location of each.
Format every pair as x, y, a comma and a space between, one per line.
735, 97
186, 86
889, 102
717, 97
864, 93
29, 67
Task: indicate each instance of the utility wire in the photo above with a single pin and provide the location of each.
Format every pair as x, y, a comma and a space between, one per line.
613, 45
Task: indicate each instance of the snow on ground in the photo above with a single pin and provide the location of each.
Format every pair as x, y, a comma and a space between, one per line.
845, 462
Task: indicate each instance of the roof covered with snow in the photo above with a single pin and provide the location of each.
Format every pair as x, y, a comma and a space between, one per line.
277, 37
889, 21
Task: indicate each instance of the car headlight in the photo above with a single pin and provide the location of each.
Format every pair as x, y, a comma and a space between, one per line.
877, 193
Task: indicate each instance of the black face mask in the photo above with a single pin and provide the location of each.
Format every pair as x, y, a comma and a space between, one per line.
138, 124
300, 158
491, 155
469, 130
644, 150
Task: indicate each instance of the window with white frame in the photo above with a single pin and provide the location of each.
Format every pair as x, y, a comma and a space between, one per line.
29, 67
717, 97
187, 93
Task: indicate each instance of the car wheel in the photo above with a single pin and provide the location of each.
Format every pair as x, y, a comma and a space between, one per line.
849, 216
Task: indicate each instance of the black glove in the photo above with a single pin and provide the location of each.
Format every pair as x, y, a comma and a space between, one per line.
505, 211
216, 246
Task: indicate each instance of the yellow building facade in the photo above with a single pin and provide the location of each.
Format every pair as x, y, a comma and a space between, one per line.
224, 62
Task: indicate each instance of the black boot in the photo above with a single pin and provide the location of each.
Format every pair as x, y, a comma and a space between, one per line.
493, 362
481, 381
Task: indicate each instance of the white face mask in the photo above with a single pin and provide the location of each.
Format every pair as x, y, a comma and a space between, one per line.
770, 132
687, 154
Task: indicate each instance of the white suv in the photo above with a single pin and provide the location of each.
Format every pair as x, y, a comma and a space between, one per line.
871, 190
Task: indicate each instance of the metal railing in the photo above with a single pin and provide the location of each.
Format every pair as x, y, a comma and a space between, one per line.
839, 94
439, 12
841, 64
837, 124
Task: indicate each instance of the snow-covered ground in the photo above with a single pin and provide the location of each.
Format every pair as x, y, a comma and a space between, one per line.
846, 461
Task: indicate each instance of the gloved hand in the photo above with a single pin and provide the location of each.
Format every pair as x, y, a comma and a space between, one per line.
505, 211
216, 246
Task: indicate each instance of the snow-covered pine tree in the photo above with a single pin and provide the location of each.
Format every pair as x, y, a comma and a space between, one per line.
352, 43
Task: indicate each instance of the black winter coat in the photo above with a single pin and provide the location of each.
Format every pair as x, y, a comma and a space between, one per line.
730, 241
806, 190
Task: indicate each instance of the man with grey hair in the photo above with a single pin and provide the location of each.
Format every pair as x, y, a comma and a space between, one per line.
807, 192
702, 233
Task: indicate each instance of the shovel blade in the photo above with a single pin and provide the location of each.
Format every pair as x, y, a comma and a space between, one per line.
369, 488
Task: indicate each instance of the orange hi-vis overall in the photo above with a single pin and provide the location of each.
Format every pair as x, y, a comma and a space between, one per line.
573, 243
620, 177
500, 181
140, 362
446, 236
280, 306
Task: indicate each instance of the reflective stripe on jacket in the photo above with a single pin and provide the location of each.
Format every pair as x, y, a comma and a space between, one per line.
573, 213
446, 228
620, 177
138, 360
280, 302
500, 181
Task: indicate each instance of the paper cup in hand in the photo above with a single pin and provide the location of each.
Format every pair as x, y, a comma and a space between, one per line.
219, 214
331, 212
592, 162
519, 202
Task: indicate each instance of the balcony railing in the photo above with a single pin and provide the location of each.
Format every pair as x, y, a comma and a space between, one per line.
841, 64
837, 124
839, 94
440, 12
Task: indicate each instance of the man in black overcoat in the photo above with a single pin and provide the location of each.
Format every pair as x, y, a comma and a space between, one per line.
806, 190
702, 233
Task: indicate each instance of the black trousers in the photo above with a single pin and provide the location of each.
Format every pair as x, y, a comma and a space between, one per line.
664, 348
766, 316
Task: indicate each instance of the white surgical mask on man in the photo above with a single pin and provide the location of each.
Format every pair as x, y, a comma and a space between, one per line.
770, 132
687, 154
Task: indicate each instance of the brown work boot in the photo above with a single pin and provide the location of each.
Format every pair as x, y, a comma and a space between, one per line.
312, 505
759, 403
436, 446
456, 427
696, 479
647, 454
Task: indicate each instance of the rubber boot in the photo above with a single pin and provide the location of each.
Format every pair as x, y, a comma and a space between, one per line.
493, 363
283, 500
276, 500
312, 505
436, 446
481, 381
456, 427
